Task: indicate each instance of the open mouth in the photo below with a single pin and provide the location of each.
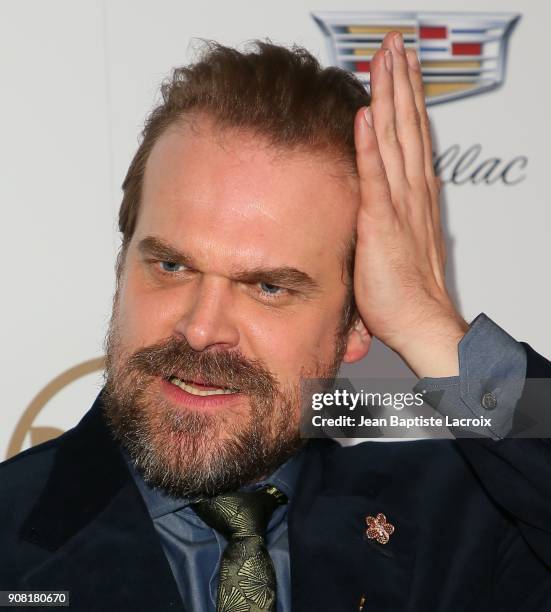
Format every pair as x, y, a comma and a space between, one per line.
196, 388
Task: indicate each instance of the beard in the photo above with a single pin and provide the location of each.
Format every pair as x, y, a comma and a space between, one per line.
187, 453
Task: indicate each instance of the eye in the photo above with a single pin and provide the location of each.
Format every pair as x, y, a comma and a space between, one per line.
271, 290
171, 267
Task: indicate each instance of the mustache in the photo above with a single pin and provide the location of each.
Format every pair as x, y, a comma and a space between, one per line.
230, 369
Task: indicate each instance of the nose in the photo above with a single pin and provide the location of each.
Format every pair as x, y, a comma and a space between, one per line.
208, 318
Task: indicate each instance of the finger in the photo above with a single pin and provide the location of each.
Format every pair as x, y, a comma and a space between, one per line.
376, 198
407, 118
433, 182
436, 221
416, 79
382, 105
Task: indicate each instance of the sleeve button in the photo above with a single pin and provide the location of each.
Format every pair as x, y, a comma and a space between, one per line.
489, 401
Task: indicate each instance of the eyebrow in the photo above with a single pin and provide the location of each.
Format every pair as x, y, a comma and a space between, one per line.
286, 276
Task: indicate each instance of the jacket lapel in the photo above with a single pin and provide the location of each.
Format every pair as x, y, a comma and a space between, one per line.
94, 530
334, 566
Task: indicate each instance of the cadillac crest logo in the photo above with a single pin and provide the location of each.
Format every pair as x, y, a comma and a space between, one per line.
461, 54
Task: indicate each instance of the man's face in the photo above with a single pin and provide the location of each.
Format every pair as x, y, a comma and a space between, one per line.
232, 289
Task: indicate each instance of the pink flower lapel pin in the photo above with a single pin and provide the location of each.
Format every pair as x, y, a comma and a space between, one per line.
378, 528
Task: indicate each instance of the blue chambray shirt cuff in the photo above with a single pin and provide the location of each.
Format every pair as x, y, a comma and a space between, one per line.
492, 373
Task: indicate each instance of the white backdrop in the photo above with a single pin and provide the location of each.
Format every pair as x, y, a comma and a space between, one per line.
78, 79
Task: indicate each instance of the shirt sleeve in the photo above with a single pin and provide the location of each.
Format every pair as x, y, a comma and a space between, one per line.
492, 373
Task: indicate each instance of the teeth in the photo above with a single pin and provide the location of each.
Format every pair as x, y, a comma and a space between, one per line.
195, 391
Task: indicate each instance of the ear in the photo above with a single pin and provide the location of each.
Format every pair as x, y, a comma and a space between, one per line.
358, 342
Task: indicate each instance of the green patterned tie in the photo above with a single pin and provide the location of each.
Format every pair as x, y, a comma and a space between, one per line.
247, 575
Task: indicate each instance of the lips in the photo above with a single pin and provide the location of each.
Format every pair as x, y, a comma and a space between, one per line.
198, 386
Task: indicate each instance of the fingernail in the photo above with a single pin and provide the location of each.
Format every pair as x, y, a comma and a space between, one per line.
368, 116
399, 43
388, 60
413, 60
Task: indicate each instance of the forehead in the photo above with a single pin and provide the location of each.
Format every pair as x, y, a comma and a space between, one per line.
230, 198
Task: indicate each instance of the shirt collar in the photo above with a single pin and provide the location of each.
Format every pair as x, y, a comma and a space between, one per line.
159, 503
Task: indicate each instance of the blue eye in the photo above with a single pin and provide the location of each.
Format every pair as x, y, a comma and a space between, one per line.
270, 289
170, 266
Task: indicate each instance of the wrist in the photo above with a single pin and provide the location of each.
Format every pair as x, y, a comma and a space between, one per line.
431, 349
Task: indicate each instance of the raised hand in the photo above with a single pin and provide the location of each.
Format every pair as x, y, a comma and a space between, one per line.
399, 282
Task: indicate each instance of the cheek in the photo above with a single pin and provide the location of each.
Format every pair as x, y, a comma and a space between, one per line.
146, 316
290, 344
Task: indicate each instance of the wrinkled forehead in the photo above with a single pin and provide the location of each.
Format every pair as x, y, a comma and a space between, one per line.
230, 194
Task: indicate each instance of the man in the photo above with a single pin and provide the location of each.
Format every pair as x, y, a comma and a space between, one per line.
274, 221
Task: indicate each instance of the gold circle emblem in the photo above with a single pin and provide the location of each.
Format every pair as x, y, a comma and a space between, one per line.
25, 423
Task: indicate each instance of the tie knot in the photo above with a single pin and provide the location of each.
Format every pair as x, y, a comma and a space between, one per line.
240, 514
